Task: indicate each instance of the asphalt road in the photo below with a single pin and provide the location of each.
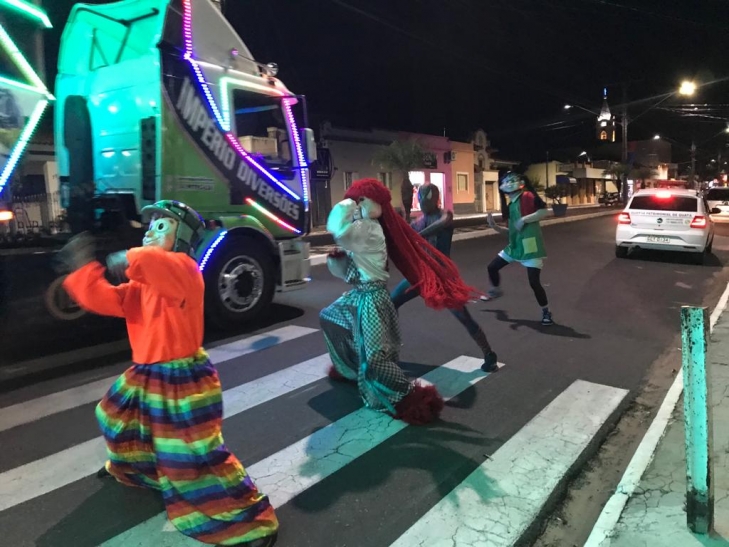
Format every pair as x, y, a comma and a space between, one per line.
614, 319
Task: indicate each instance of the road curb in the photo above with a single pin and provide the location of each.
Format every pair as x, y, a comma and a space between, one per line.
319, 259
604, 528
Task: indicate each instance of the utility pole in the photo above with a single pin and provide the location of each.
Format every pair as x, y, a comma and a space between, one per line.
693, 165
546, 181
624, 155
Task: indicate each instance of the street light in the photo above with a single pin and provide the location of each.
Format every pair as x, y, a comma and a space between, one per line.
687, 88
657, 138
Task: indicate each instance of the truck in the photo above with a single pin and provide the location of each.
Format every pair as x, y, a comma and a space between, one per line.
161, 99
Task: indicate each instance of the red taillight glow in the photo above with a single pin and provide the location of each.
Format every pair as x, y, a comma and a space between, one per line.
699, 222
663, 195
624, 218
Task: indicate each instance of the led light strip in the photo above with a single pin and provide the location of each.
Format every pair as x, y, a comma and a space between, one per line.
20, 85
224, 82
270, 215
23, 141
211, 249
187, 29
28, 9
20, 61
303, 167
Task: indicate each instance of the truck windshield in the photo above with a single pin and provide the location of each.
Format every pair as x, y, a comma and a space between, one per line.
262, 129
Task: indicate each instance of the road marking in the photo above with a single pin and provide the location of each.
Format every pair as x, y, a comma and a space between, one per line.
35, 409
603, 529
286, 474
57, 470
495, 505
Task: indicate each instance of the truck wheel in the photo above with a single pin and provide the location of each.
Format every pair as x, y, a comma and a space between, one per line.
239, 284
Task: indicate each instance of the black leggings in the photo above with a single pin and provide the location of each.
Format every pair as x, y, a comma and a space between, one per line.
532, 273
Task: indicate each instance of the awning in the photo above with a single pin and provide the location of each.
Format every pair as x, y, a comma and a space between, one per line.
564, 179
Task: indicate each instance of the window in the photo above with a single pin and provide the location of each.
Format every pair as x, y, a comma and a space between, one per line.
349, 178
462, 182
683, 204
386, 179
262, 129
718, 194
603, 136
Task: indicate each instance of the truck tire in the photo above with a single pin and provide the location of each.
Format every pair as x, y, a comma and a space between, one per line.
239, 284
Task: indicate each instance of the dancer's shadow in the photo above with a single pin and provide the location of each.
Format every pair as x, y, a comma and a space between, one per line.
115, 509
414, 448
554, 330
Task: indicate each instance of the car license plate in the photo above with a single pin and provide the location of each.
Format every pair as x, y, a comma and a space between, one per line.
656, 239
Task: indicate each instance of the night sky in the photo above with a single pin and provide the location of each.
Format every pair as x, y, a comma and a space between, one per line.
507, 66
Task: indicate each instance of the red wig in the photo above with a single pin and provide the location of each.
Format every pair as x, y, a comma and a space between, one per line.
425, 268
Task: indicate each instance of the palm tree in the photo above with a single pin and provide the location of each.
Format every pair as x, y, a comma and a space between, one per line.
617, 171
402, 157
642, 173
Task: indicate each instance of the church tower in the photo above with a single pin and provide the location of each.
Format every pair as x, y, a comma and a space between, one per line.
605, 122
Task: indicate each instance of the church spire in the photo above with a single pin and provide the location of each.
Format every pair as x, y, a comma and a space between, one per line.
605, 121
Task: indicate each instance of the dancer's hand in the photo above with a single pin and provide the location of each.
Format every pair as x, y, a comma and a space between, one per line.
337, 253
117, 264
79, 251
519, 225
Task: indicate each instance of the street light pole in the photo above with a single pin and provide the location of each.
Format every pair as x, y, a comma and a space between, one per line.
693, 164
624, 155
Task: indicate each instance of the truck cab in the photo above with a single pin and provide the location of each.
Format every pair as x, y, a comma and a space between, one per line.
161, 99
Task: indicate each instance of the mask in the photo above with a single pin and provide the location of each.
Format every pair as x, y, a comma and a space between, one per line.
162, 233
428, 199
511, 183
369, 208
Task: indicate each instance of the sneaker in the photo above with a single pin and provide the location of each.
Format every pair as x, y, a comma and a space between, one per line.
492, 294
490, 362
547, 318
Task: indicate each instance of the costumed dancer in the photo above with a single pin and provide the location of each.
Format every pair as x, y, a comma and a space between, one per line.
526, 244
436, 226
162, 418
361, 328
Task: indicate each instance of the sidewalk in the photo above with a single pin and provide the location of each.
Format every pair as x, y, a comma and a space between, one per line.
655, 514
474, 219
475, 227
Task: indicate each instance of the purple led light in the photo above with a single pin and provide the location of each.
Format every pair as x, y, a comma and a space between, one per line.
187, 29
303, 167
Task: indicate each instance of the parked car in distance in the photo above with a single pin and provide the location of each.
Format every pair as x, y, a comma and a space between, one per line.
718, 198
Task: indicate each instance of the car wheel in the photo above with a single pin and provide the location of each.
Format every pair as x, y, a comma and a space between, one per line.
621, 252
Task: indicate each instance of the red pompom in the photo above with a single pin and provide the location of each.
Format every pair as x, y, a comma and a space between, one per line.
336, 376
421, 406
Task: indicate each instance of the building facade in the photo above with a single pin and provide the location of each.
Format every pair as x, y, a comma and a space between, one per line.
463, 171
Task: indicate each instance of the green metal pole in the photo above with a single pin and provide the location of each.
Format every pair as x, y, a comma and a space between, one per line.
697, 417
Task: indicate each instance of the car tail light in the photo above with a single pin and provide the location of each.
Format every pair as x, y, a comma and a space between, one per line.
624, 218
699, 222
663, 195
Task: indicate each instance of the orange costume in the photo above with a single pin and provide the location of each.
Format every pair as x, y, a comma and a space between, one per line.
162, 418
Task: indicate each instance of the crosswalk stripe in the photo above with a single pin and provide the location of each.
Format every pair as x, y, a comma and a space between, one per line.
303, 464
35, 409
496, 503
57, 470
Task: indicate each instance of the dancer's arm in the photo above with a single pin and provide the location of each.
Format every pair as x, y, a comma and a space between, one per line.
494, 226
349, 233
445, 221
90, 289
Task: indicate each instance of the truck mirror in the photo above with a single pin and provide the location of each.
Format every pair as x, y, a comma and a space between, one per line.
310, 145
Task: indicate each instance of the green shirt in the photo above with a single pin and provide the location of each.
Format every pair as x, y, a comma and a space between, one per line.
527, 244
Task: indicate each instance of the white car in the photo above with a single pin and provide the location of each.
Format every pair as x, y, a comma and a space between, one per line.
718, 201
665, 220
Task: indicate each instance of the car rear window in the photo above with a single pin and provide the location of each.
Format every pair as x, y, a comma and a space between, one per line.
683, 204
718, 194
